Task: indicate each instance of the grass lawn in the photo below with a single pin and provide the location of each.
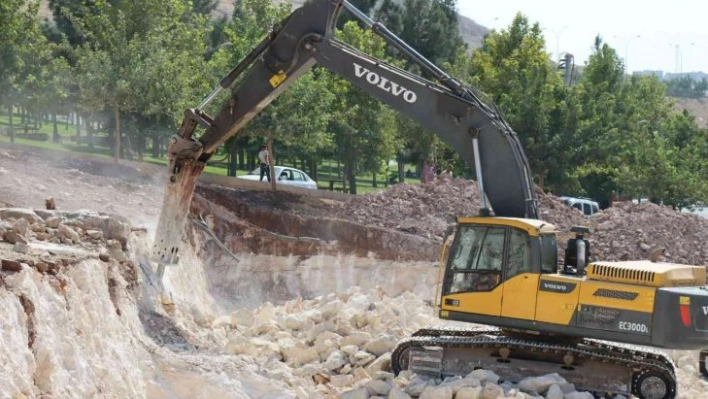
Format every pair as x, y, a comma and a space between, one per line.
326, 171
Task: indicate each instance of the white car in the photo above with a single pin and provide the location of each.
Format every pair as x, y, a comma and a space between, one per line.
284, 175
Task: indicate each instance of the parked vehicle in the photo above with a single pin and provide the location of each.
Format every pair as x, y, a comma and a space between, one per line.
285, 175
585, 205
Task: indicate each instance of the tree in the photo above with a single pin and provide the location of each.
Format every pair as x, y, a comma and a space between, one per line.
364, 128
119, 52
513, 68
21, 52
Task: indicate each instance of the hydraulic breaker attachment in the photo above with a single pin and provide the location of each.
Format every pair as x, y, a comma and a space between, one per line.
185, 169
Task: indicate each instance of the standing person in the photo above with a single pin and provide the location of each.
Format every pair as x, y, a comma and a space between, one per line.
264, 157
446, 174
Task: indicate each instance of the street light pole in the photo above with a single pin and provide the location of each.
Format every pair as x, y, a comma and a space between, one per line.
626, 49
557, 34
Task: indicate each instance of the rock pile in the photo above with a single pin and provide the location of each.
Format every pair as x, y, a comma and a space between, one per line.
624, 231
340, 345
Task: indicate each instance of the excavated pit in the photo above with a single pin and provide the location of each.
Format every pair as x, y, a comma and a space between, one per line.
282, 318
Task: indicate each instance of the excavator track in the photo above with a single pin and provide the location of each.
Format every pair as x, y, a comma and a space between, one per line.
600, 367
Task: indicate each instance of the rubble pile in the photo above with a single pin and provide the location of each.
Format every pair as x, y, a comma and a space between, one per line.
428, 209
421, 209
625, 231
634, 231
340, 345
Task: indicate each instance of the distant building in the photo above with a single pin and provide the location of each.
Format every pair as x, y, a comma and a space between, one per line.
658, 74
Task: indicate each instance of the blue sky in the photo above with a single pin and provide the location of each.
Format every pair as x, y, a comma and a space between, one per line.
662, 27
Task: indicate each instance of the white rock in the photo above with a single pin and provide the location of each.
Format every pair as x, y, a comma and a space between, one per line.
361, 358
346, 369
492, 391
264, 314
433, 392
554, 392
360, 374
456, 383
349, 350
579, 395
360, 393
484, 375
294, 322
398, 393
331, 309
21, 226
221, 322
334, 361
95, 234
382, 363
298, 356
540, 384
64, 231
469, 393
115, 249
53, 222
358, 303
381, 344
242, 317
341, 381
684, 360
379, 387
688, 368
418, 384
21, 247
356, 338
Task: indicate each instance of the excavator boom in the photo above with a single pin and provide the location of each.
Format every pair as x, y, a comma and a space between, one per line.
446, 107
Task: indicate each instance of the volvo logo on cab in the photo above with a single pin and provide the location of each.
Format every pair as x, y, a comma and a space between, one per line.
384, 84
705, 310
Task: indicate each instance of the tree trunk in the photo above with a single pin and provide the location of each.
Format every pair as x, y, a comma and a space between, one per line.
374, 183
78, 127
116, 113
12, 128
242, 157
155, 146
401, 172
271, 163
231, 169
541, 180
55, 127
349, 171
68, 117
89, 131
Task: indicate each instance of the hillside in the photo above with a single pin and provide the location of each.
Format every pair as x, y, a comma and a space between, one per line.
472, 33
697, 107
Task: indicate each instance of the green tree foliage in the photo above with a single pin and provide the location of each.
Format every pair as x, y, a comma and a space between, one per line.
513, 67
21, 44
127, 42
365, 129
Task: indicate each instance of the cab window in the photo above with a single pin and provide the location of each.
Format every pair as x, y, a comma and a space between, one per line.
476, 263
549, 253
519, 253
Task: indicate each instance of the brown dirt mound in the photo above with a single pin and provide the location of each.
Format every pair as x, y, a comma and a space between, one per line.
625, 231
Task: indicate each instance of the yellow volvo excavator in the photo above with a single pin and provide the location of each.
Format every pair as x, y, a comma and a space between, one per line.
575, 317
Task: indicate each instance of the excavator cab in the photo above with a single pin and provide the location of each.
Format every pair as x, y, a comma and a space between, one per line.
493, 258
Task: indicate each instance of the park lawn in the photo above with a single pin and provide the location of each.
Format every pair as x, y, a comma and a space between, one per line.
364, 184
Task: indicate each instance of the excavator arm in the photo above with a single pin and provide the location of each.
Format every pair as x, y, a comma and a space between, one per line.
445, 106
